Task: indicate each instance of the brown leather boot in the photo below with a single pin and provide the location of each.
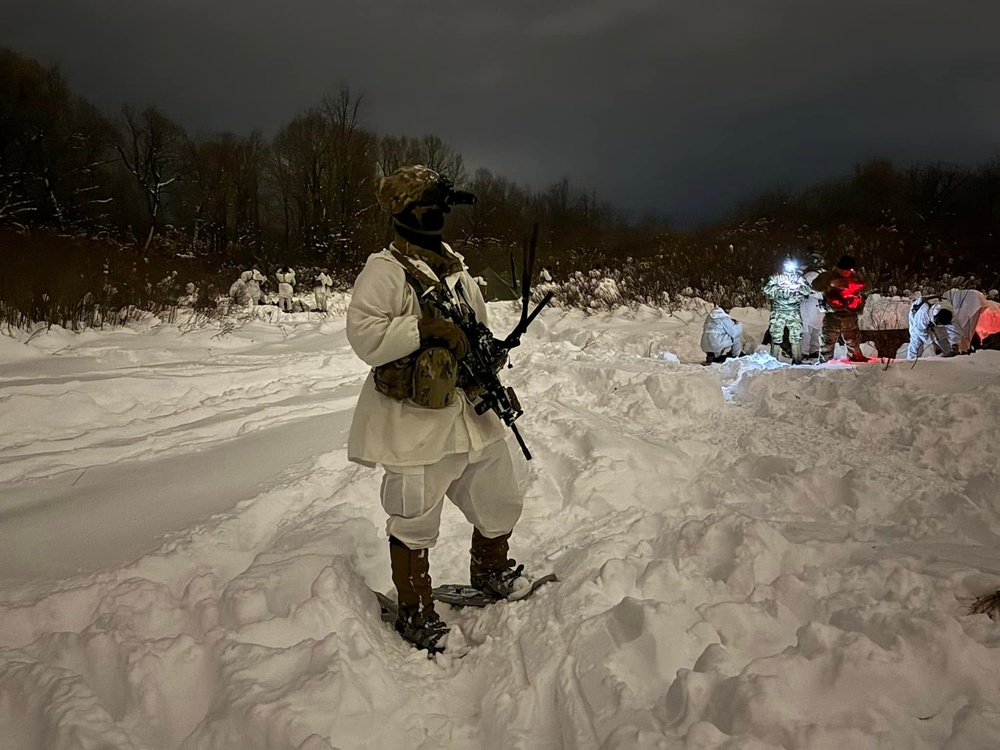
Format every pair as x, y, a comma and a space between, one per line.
490, 570
416, 619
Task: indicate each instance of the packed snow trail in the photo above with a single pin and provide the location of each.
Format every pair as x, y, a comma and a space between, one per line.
109, 515
750, 556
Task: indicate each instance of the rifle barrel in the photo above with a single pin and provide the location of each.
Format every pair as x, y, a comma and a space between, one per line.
520, 441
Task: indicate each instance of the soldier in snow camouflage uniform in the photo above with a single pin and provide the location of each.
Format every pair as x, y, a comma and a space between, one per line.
932, 328
843, 296
812, 308
786, 290
415, 420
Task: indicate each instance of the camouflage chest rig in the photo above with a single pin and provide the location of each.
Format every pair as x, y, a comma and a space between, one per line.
429, 376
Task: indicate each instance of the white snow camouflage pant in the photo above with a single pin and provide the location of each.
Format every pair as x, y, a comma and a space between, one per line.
481, 483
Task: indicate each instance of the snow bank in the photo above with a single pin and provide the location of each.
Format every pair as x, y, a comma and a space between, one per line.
751, 555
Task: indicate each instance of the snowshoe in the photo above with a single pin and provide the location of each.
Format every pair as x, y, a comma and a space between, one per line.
504, 583
460, 595
427, 635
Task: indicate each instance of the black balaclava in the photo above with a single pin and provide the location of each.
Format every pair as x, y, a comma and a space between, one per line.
422, 224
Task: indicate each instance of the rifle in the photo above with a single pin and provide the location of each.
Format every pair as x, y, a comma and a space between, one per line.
477, 371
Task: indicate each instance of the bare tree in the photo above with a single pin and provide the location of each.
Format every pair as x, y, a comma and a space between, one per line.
12, 201
936, 187
302, 169
222, 191
398, 151
354, 159
152, 149
442, 158
53, 144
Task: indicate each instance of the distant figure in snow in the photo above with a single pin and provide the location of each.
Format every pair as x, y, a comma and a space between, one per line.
322, 289
843, 300
166, 288
190, 297
945, 324
720, 337
546, 275
254, 291
811, 308
931, 328
238, 292
286, 288
787, 290
969, 305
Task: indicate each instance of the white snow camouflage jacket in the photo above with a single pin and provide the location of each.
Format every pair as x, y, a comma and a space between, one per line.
286, 283
381, 327
721, 332
924, 334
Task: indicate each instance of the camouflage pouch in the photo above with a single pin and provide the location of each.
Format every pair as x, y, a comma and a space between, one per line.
395, 379
428, 378
435, 375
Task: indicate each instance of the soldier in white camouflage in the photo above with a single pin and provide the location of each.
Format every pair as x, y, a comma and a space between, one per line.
413, 417
787, 290
812, 308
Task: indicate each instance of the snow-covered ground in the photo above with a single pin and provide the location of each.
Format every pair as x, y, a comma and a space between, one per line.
751, 555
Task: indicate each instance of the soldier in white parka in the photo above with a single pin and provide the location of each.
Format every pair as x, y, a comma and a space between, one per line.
238, 292
931, 328
254, 292
720, 336
321, 290
286, 288
412, 418
811, 308
944, 324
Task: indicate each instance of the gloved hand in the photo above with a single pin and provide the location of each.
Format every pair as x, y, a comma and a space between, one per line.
441, 332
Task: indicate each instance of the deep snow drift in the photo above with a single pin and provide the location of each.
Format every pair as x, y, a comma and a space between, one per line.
752, 555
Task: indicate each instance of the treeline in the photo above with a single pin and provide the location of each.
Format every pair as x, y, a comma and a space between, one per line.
929, 219
306, 198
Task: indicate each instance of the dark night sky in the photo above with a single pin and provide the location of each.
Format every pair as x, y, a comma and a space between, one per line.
680, 108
